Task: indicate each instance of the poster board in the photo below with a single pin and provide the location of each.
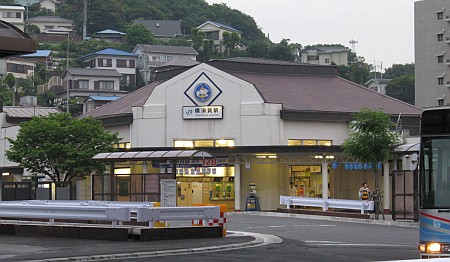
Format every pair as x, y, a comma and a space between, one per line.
168, 193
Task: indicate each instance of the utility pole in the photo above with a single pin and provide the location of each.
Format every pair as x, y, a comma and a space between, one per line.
84, 18
67, 74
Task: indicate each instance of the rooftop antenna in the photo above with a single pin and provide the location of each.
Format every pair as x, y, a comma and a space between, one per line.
353, 43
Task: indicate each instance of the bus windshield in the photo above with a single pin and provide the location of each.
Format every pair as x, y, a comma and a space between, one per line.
435, 172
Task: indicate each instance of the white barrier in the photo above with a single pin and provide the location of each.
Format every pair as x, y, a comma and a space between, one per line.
133, 206
154, 214
327, 203
52, 212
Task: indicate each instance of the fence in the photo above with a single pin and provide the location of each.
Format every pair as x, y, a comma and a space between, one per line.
363, 206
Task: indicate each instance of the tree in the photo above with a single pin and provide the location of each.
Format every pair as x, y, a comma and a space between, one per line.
370, 139
282, 51
230, 40
402, 88
138, 34
397, 70
60, 147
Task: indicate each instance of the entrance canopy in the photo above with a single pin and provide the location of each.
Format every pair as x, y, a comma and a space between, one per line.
152, 155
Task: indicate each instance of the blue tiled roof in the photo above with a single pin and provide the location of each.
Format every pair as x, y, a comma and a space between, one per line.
39, 53
104, 98
110, 51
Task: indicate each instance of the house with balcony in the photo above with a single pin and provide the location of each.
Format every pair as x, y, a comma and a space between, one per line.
43, 57
325, 55
151, 57
214, 31
111, 59
162, 29
13, 15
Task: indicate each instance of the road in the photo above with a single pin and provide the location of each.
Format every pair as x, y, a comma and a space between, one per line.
302, 240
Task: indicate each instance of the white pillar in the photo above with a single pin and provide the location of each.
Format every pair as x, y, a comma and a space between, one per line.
387, 193
237, 185
324, 179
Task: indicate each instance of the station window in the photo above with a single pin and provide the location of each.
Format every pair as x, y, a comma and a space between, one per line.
126, 145
440, 37
440, 15
440, 58
309, 142
204, 143
440, 80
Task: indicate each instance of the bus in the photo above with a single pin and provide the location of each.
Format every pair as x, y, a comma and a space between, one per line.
434, 183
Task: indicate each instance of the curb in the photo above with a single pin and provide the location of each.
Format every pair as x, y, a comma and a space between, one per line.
259, 240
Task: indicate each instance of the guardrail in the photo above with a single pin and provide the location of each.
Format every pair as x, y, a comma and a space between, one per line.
52, 212
114, 211
154, 214
327, 203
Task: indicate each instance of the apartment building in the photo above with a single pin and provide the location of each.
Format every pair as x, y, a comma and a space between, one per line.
432, 52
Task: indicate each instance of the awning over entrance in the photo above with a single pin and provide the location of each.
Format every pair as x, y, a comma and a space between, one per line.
406, 148
149, 155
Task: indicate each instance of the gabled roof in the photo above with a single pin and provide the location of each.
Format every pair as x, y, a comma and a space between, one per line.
12, 7
28, 112
123, 105
39, 53
219, 25
378, 81
111, 52
103, 98
110, 32
167, 49
161, 28
180, 62
306, 94
54, 19
92, 72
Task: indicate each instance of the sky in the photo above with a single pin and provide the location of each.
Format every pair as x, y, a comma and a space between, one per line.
384, 29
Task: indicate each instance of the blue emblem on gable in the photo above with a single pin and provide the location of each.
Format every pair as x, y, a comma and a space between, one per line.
202, 92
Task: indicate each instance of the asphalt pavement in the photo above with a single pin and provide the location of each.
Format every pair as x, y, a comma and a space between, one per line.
57, 249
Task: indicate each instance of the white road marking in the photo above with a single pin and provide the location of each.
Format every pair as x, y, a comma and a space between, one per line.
292, 226
336, 243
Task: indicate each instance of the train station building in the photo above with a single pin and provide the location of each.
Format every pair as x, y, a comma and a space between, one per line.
265, 122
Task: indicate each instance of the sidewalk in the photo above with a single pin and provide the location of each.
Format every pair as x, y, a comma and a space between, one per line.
387, 222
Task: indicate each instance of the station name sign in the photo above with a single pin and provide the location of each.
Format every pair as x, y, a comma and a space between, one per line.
202, 112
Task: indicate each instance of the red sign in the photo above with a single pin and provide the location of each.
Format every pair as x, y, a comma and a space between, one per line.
209, 162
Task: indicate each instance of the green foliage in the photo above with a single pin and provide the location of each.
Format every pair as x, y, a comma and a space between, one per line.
37, 10
230, 41
281, 51
357, 71
10, 80
46, 98
137, 34
402, 88
398, 70
115, 14
60, 147
370, 138
32, 30
101, 15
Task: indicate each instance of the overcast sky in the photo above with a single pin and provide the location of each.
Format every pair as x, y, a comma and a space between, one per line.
384, 29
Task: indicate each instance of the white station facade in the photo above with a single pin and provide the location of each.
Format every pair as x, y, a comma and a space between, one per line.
265, 122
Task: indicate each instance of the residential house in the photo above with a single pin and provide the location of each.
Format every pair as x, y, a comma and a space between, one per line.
152, 56
432, 53
10, 118
259, 133
13, 15
19, 67
325, 55
43, 57
110, 35
84, 82
378, 85
121, 61
92, 102
162, 29
50, 5
51, 24
214, 31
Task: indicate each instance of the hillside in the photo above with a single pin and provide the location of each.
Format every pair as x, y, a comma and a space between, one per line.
117, 14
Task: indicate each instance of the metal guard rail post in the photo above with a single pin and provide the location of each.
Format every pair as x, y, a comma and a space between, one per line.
154, 214
327, 203
52, 212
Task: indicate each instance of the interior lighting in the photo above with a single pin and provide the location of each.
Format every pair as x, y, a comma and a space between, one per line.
5, 174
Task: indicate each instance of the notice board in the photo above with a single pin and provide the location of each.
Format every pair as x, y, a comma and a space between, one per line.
168, 193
